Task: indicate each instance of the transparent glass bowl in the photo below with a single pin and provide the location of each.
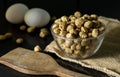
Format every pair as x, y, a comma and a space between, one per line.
78, 48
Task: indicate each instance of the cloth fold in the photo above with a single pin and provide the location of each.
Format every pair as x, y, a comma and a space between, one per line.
107, 58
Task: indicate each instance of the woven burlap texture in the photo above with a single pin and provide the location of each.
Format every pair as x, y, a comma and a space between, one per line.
107, 59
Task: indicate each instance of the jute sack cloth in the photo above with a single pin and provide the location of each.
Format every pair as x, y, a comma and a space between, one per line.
107, 59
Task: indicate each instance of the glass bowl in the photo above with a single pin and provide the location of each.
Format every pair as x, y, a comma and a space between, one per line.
78, 48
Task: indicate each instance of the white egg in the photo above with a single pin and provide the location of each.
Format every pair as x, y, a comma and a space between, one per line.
15, 13
37, 17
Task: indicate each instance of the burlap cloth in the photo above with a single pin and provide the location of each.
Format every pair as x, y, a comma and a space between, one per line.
107, 59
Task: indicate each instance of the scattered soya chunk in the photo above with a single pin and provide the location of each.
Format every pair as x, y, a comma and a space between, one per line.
22, 27
43, 32
37, 48
31, 29
5, 36
19, 40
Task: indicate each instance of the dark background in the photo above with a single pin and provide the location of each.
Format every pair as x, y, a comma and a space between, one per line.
109, 8
56, 8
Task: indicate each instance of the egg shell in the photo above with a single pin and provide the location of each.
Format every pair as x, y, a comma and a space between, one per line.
15, 13
37, 17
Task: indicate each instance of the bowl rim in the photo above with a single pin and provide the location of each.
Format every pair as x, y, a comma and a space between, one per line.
104, 32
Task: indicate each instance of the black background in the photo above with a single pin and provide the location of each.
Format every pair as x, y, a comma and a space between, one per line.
55, 8
109, 8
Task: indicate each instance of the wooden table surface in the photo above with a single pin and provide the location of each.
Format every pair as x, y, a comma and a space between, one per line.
30, 40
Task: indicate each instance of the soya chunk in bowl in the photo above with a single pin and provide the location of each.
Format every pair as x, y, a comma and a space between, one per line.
78, 36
